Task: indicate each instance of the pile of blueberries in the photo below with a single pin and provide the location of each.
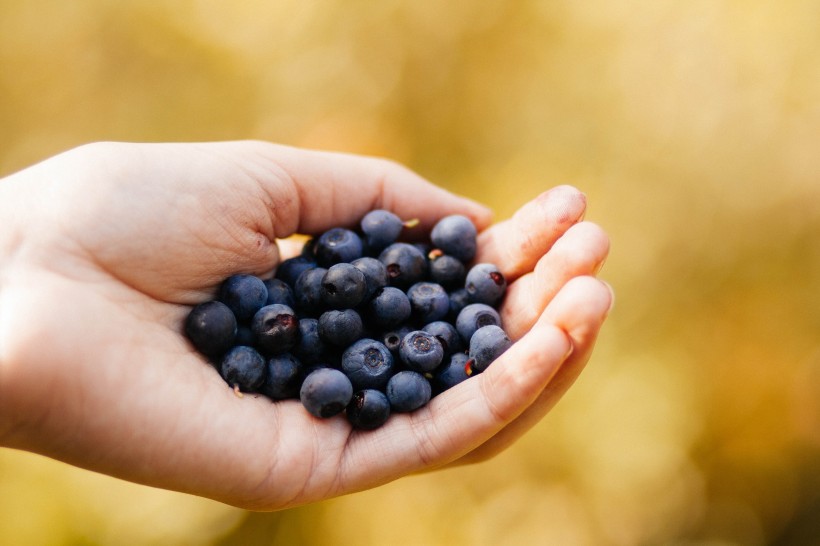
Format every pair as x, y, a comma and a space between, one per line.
359, 322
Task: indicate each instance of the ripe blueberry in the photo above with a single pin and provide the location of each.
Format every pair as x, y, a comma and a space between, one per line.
276, 328
243, 368
343, 286
420, 351
211, 327
473, 317
244, 294
368, 410
487, 344
326, 392
485, 284
455, 235
337, 245
368, 364
408, 391
284, 377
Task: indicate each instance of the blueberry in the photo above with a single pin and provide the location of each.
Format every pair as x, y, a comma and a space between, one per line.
388, 308
279, 292
459, 299
485, 284
381, 228
455, 235
308, 291
290, 269
473, 317
244, 294
276, 328
420, 351
392, 338
340, 328
452, 372
343, 286
310, 348
447, 335
446, 270
326, 392
211, 327
375, 274
487, 344
408, 391
337, 245
284, 377
368, 410
368, 364
406, 264
428, 301
243, 368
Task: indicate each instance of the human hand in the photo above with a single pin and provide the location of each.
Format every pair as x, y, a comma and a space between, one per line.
105, 247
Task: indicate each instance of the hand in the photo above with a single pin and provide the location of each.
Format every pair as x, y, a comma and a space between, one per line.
105, 247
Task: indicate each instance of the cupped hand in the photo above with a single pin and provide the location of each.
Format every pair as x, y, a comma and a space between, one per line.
105, 247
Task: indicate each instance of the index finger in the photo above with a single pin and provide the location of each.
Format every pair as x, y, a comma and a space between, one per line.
337, 189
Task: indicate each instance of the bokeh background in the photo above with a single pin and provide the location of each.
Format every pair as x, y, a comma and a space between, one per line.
694, 129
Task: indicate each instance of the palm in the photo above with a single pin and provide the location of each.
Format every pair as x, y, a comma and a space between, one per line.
170, 224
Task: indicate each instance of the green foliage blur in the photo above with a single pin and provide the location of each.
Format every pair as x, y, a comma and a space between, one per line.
693, 128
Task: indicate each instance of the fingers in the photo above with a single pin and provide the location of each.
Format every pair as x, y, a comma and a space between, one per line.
515, 245
468, 415
579, 310
580, 251
336, 189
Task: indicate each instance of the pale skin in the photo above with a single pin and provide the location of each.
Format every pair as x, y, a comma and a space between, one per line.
104, 248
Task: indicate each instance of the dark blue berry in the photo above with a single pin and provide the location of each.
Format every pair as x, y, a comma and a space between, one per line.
392, 339
381, 228
487, 344
452, 372
340, 328
485, 284
337, 245
211, 327
421, 352
308, 291
368, 410
455, 235
459, 299
244, 294
406, 265
279, 292
276, 328
375, 274
343, 286
447, 334
243, 368
428, 301
388, 308
368, 364
473, 317
326, 392
284, 377
310, 348
290, 269
446, 270
408, 391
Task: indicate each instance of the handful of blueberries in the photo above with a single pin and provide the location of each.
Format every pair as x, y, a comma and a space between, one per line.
359, 322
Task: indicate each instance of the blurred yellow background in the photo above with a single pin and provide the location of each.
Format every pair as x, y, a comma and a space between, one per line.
694, 129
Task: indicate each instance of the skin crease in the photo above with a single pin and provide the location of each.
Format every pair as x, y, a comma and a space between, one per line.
106, 246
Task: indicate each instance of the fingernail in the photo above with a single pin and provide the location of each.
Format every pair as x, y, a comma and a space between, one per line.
569, 351
611, 298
